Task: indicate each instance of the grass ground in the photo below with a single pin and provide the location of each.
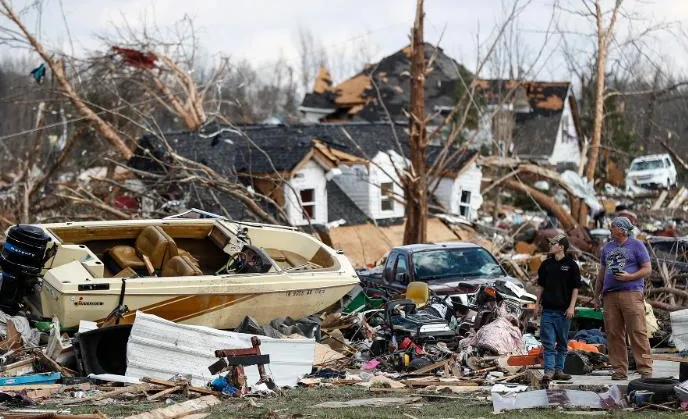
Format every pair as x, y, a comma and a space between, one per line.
297, 403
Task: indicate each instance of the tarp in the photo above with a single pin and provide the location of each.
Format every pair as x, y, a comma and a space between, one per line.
582, 189
159, 348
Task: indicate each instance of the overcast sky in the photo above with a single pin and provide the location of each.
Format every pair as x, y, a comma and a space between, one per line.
262, 30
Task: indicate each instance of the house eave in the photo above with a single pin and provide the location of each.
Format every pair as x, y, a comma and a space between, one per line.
323, 111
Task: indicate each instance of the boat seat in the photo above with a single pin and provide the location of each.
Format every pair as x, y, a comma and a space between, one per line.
187, 254
180, 266
278, 255
152, 249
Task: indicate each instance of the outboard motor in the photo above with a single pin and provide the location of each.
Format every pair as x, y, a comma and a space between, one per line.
21, 260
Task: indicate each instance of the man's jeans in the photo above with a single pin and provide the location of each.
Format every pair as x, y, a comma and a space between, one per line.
554, 335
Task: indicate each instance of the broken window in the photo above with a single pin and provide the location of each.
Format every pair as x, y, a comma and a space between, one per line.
465, 204
308, 202
387, 196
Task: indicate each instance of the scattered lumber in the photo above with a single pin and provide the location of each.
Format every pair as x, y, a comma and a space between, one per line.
25, 414
662, 197
167, 383
179, 410
138, 388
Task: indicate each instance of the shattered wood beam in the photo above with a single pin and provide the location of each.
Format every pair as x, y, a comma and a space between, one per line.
564, 217
101, 126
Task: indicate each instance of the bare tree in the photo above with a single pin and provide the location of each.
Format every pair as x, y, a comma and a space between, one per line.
414, 180
605, 32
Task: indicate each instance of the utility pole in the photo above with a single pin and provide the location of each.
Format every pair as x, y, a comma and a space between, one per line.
415, 182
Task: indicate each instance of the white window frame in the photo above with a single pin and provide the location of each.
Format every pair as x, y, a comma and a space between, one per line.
387, 198
466, 206
309, 204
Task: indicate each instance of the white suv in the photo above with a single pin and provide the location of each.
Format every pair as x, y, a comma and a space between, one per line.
653, 171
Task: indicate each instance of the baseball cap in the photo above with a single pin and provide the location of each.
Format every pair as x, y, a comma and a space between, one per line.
561, 239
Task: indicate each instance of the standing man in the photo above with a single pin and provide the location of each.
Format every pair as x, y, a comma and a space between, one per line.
624, 263
558, 280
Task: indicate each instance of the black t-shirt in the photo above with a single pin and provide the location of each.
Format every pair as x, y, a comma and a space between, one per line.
558, 278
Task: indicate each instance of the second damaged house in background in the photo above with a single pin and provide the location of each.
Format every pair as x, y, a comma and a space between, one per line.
208, 272
344, 176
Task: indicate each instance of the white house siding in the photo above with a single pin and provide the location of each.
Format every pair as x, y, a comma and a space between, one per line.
449, 190
382, 171
469, 180
566, 147
311, 176
445, 193
354, 183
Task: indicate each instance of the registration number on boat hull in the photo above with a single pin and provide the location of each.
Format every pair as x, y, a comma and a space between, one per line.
300, 293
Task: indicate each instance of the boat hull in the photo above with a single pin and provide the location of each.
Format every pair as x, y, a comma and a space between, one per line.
220, 311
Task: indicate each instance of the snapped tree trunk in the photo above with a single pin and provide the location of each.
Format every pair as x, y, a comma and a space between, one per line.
546, 202
604, 35
415, 182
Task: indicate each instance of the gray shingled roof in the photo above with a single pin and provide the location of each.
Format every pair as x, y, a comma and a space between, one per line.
340, 206
534, 136
392, 77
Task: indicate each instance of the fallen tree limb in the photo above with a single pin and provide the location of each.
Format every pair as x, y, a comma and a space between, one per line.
680, 293
564, 217
57, 68
675, 155
664, 306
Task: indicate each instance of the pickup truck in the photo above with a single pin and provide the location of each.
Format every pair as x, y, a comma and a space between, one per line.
447, 268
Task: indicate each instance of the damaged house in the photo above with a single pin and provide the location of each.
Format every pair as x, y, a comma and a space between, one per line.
533, 120
345, 176
358, 98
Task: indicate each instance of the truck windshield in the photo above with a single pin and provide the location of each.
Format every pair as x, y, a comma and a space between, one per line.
647, 165
463, 263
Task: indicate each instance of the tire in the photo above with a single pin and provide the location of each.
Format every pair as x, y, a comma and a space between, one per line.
662, 387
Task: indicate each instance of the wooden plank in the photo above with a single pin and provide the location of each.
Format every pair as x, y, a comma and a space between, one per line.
66, 372
437, 382
658, 357
680, 196
23, 367
164, 392
30, 387
138, 388
425, 394
662, 197
51, 415
179, 410
167, 383
426, 369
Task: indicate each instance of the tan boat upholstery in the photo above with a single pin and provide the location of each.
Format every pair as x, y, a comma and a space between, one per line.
189, 256
180, 266
153, 242
279, 255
